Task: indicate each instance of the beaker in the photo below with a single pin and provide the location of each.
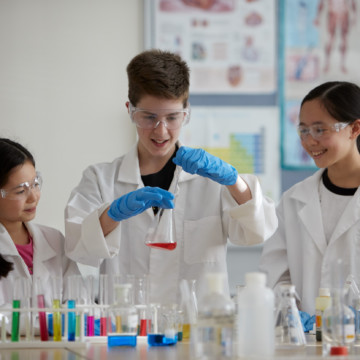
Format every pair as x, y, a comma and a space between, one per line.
289, 333
161, 232
163, 325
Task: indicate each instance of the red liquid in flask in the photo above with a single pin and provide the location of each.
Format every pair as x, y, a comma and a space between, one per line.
165, 246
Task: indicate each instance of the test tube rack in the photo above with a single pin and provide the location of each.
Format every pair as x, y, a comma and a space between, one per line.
35, 342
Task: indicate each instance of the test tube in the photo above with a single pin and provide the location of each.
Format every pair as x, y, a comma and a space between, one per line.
41, 305
15, 325
104, 300
74, 283
27, 305
90, 290
56, 303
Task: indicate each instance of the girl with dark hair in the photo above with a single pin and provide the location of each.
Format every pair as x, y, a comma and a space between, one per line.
319, 218
27, 250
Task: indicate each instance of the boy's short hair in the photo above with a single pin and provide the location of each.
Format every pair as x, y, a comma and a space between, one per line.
158, 73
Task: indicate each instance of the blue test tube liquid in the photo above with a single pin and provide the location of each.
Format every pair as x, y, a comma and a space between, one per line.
71, 321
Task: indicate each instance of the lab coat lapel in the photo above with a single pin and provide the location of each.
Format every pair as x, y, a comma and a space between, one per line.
349, 217
42, 252
310, 214
7, 246
129, 171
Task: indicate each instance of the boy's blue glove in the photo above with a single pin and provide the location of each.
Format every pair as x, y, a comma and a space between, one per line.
138, 201
198, 161
307, 321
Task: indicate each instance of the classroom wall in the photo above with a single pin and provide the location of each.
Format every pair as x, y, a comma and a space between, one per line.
63, 88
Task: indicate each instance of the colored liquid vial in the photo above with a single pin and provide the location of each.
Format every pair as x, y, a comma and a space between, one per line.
322, 302
56, 321
15, 326
42, 319
71, 321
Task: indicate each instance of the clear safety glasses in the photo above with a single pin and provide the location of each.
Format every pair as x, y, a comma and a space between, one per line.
148, 119
319, 131
22, 191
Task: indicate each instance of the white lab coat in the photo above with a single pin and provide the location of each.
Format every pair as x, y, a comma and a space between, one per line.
205, 216
298, 252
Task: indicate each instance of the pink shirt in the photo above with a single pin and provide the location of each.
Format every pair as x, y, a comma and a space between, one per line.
27, 253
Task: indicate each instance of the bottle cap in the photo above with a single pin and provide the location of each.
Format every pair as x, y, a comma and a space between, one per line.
339, 350
257, 278
324, 292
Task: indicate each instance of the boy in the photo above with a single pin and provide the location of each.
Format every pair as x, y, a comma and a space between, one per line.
110, 211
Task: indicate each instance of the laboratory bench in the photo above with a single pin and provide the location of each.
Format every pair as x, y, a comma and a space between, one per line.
181, 351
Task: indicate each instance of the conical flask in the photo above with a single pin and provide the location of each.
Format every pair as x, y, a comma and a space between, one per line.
161, 232
289, 333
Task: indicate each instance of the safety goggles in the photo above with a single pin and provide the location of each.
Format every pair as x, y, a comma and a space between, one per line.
319, 131
22, 191
148, 119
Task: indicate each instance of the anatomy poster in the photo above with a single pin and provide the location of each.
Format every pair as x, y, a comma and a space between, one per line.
320, 43
230, 45
246, 138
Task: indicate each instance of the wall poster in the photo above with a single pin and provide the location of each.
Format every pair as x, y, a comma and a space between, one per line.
320, 43
230, 45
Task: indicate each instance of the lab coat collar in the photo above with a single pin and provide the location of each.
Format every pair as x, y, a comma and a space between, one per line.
42, 249
349, 217
7, 246
128, 173
310, 214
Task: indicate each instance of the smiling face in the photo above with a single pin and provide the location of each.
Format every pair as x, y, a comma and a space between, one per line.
159, 143
24, 209
333, 147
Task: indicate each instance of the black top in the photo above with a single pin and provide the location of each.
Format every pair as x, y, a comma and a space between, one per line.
161, 179
336, 189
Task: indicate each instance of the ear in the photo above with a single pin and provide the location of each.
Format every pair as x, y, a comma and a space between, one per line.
355, 129
127, 105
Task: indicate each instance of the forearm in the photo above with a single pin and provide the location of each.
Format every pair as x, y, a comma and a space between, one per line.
107, 224
240, 191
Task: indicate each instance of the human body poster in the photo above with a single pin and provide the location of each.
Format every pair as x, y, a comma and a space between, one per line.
321, 43
230, 45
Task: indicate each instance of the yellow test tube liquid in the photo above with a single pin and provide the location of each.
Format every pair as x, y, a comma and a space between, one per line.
57, 321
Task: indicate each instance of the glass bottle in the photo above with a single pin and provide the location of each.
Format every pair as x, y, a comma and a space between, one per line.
213, 335
338, 327
289, 332
322, 302
189, 309
124, 318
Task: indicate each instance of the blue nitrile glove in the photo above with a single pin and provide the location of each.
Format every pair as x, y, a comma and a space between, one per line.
198, 161
307, 321
138, 201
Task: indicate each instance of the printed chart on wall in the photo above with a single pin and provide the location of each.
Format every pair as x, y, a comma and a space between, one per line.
247, 138
230, 45
321, 43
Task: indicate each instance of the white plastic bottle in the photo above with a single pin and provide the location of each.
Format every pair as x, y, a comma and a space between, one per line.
213, 335
255, 327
